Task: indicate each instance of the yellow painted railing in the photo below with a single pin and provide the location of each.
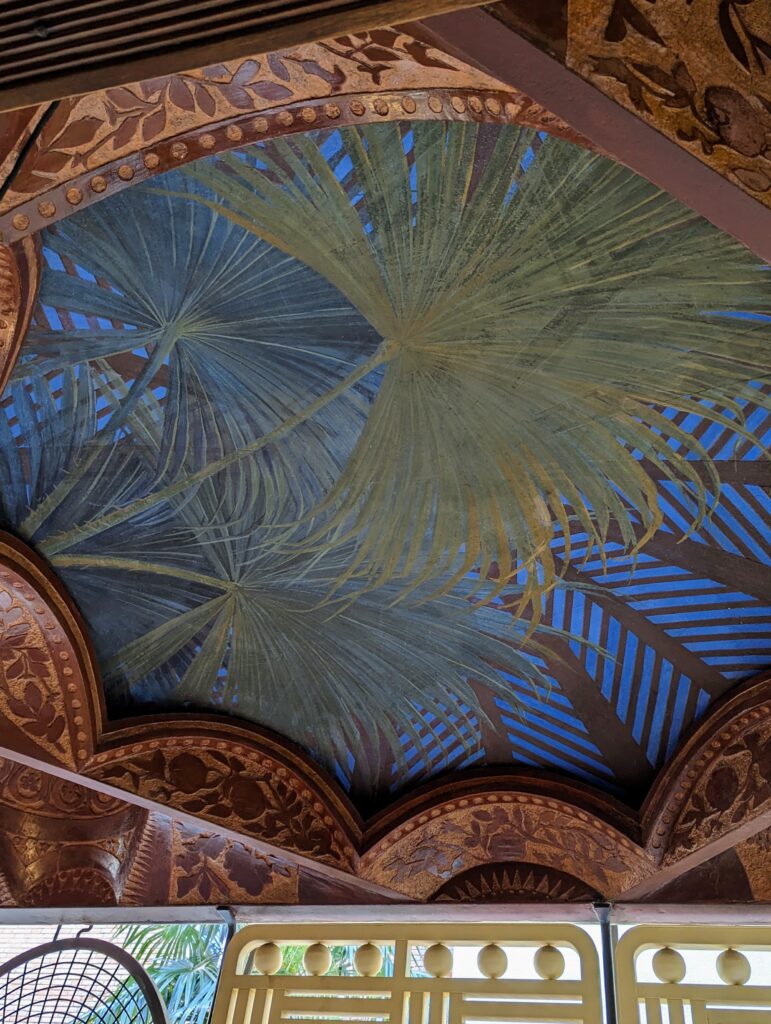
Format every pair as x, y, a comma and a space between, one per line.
660, 988
411, 975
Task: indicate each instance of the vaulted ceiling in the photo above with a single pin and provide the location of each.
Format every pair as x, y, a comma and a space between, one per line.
366, 408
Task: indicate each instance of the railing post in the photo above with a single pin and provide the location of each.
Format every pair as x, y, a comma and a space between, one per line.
229, 919
603, 912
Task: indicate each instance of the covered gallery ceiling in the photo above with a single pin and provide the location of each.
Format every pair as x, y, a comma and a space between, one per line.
424, 444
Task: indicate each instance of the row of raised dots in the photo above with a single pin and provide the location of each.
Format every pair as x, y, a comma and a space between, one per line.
285, 118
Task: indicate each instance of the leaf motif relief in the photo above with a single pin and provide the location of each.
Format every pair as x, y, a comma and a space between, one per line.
624, 15
749, 49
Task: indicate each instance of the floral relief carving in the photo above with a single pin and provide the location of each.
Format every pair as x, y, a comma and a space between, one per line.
63, 843
420, 857
697, 70
29, 694
208, 868
254, 796
375, 53
27, 789
88, 131
718, 781
733, 789
42, 685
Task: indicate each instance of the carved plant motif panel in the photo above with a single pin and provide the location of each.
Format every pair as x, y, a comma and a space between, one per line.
212, 869
734, 787
45, 674
251, 795
719, 781
102, 141
403, 440
422, 857
65, 844
697, 70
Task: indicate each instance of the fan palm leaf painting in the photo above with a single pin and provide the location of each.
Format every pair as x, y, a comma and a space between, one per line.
324, 431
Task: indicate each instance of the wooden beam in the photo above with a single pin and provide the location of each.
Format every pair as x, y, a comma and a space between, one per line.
682, 660
613, 738
735, 572
98, 45
305, 863
735, 472
481, 40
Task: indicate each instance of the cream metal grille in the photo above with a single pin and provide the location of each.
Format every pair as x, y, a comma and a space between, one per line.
742, 996
418, 986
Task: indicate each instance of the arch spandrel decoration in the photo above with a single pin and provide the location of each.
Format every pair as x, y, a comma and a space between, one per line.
214, 771
719, 780
219, 772
48, 687
53, 711
420, 856
97, 144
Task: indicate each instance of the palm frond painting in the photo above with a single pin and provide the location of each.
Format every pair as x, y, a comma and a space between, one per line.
538, 306
299, 426
248, 623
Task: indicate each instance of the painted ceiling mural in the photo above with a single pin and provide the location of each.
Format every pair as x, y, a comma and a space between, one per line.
425, 445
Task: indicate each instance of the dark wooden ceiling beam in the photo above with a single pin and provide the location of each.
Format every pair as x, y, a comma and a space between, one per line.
684, 662
51, 50
482, 40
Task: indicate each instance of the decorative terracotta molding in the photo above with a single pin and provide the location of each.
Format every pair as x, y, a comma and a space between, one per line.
467, 785
18, 286
718, 782
224, 774
64, 844
50, 699
517, 882
97, 144
245, 780
420, 856
179, 865
698, 72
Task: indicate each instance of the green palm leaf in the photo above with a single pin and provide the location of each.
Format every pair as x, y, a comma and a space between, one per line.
51, 429
256, 636
245, 335
184, 963
540, 304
